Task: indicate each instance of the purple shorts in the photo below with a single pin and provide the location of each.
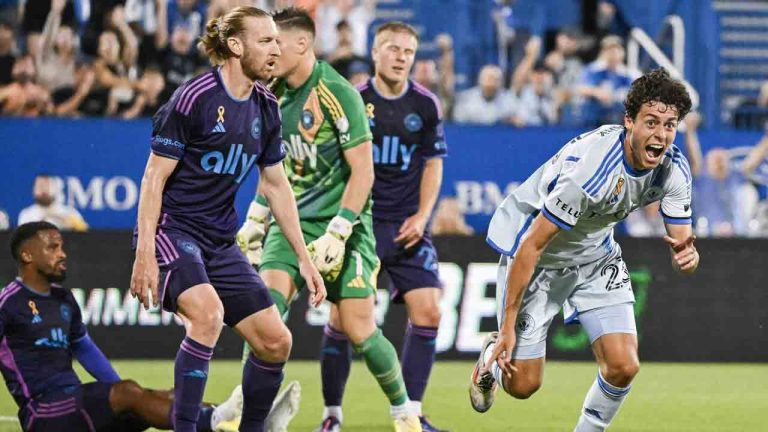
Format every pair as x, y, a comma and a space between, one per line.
408, 269
186, 261
77, 408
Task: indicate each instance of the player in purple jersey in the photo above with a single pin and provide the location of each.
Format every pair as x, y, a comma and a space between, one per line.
211, 133
408, 146
41, 330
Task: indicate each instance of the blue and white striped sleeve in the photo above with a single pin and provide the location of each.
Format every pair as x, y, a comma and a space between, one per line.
676, 202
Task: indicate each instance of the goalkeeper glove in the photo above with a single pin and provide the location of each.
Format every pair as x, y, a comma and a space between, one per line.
327, 251
251, 235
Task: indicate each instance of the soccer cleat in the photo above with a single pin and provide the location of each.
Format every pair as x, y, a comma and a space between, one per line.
226, 416
482, 388
329, 424
426, 426
284, 408
407, 423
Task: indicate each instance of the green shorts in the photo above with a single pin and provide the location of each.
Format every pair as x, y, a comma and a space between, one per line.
361, 265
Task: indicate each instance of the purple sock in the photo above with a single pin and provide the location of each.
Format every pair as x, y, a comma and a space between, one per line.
335, 362
417, 359
261, 381
204, 421
190, 375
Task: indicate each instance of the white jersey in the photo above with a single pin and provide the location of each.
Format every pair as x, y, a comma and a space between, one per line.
586, 189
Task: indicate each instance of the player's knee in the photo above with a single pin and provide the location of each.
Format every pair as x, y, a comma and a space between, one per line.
522, 388
209, 322
431, 316
621, 374
125, 394
278, 346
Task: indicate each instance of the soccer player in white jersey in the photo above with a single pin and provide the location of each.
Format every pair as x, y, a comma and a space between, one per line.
555, 233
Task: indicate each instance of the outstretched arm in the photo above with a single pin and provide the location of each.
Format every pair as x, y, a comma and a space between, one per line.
519, 275
93, 360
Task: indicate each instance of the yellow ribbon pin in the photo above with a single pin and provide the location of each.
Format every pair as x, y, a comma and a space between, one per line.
33, 306
369, 110
221, 114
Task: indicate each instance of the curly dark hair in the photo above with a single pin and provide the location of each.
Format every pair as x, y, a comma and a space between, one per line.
654, 87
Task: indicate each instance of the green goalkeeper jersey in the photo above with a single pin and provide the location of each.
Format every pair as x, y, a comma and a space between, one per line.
321, 119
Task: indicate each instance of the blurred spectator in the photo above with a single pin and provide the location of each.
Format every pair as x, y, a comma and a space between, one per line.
647, 222
538, 101
565, 64
488, 103
755, 168
359, 14
7, 54
99, 19
722, 201
516, 22
151, 97
188, 14
605, 84
34, 16
142, 16
343, 58
179, 61
440, 80
449, 219
115, 70
533, 86
46, 208
23, 97
56, 64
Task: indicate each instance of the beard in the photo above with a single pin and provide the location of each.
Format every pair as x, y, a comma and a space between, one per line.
44, 200
251, 67
54, 277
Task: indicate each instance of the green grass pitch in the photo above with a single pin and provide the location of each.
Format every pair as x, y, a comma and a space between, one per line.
665, 397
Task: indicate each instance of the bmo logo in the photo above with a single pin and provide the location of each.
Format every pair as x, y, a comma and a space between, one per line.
117, 193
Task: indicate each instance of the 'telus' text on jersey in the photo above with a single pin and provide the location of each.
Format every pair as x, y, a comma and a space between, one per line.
217, 140
407, 131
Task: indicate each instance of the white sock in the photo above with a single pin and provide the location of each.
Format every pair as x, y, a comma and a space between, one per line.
333, 411
600, 406
497, 373
400, 410
416, 407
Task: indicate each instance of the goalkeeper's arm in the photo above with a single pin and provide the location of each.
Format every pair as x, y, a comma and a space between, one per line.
328, 250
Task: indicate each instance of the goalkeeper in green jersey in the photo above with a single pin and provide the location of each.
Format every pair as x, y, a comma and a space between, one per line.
330, 167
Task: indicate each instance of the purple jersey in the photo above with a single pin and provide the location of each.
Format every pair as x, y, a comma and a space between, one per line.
407, 131
36, 332
217, 140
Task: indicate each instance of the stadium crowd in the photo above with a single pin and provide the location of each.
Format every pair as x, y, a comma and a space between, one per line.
124, 58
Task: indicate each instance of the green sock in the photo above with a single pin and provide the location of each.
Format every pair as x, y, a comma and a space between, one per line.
282, 309
381, 359
281, 302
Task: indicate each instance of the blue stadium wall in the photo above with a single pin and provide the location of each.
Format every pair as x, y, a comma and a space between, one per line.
100, 163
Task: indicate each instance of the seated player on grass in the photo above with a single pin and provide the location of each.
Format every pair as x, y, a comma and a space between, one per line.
41, 329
